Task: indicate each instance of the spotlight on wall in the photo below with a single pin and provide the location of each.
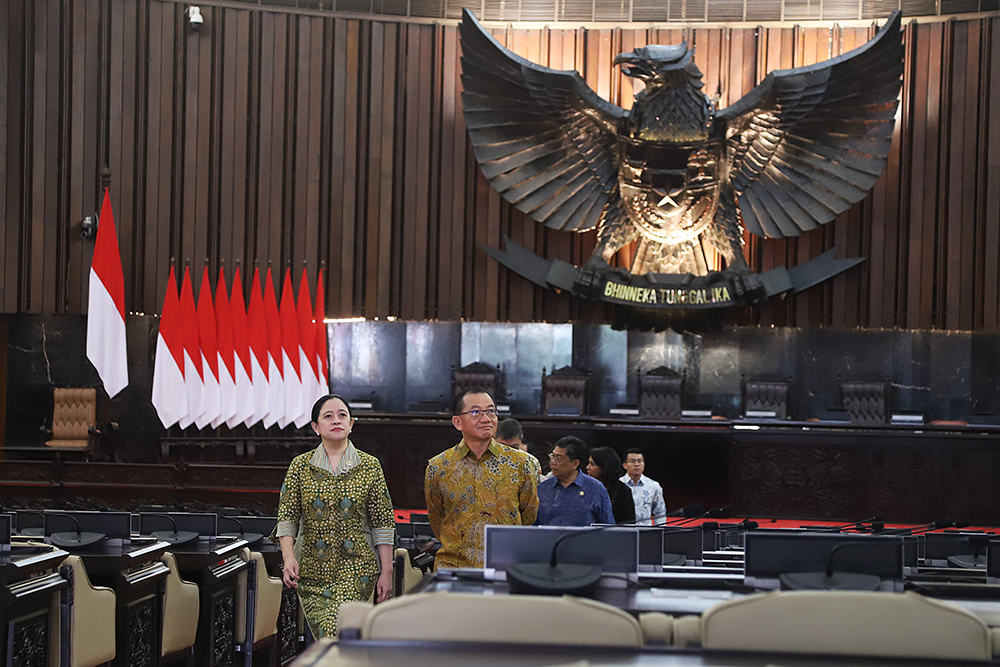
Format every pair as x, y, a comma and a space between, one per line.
195, 19
88, 228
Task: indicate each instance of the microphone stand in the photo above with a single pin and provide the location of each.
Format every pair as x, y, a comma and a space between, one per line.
174, 537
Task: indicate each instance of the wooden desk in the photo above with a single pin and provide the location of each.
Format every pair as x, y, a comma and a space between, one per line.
137, 576
436, 654
215, 566
29, 575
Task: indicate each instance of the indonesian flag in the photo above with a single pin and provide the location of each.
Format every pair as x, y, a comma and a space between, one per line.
169, 397
243, 367
193, 383
275, 363
260, 366
227, 355
290, 354
321, 344
307, 352
106, 306
209, 355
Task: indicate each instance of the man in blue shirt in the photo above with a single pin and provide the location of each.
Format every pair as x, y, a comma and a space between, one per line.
571, 497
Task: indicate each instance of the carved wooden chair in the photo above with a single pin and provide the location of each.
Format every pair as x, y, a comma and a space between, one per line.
866, 401
564, 391
660, 392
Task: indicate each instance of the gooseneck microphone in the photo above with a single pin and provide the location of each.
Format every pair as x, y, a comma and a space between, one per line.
979, 544
927, 527
723, 512
554, 578
878, 518
746, 524
686, 512
73, 540
828, 580
174, 536
251, 538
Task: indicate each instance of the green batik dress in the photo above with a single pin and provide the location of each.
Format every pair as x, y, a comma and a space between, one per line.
337, 518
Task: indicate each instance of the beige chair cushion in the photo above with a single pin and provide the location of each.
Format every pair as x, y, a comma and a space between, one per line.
241, 600
93, 619
351, 615
513, 619
180, 610
268, 601
411, 575
657, 628
687, 632
904, 625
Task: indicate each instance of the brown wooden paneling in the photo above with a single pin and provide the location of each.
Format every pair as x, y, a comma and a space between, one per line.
990, 143
290, 137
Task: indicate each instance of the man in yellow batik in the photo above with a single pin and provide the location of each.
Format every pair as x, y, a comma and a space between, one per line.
477, 482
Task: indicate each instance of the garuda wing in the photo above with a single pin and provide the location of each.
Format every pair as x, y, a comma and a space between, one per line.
542, 137
808, 143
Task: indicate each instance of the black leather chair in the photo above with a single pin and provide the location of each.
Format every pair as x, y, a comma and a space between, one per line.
865, 401
760, 395
564, 392
660, 392
478, 374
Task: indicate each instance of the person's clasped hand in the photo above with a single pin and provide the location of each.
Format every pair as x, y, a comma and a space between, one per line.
290, 573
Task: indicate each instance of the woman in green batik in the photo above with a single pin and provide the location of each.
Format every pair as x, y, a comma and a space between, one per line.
333, 515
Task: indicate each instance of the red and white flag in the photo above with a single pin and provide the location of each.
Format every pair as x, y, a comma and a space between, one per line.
194, 385
260, 376
207, 337
169, 397
106, 306
243, 366
307, 352
290, 354
227, 354
321, 343
275, 363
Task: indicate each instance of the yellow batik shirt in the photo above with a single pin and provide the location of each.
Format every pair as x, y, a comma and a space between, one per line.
465, 494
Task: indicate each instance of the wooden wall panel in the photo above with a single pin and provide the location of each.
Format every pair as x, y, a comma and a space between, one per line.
989, 144
295, 138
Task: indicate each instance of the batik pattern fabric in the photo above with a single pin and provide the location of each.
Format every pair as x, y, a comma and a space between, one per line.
648, 498
337, 517
465, 494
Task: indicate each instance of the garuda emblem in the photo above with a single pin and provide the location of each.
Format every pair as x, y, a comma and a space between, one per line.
675, 175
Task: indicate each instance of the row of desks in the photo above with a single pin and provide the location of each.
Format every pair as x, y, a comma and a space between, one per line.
29, 575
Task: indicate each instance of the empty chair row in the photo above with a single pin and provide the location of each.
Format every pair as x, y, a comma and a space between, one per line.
883, 625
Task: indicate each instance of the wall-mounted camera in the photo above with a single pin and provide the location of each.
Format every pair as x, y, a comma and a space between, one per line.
195, 19
88, 228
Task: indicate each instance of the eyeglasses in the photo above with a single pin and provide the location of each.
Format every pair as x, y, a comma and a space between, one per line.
558, 457
476, 414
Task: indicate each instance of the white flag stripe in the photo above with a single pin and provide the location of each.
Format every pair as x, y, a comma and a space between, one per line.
169, 397
293, 392
243, 392
227, 394
275, 404
210, 396
194, 388
106, 337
